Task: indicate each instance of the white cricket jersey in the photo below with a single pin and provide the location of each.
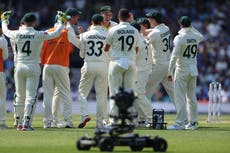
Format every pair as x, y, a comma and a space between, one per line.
123, 39
92, 43
28, 42
112, 24
159, 39
143, 58
4, 47
185, 50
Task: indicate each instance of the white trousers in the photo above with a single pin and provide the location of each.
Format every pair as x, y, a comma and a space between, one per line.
26, 78
94, 74
185, 94
2, 97
119, 77
142, 104
159, 75
56, 86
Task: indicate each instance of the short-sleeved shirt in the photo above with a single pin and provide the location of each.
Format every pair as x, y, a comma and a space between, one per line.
185, 50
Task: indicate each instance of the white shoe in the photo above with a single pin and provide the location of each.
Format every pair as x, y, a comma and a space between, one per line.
191, 126
47, 125
175, 127
70, 125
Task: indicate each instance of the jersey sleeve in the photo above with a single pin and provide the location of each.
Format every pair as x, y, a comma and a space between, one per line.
82, 46
109, 38
175, 54
9, 33
5, 49
151, 37
72, 37
46, 35
200, 36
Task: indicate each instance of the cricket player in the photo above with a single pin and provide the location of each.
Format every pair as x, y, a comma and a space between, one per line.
28, 43
3, 56
94, 71
123, 40
159, 39
143, 70
56, 83
106, 12
74, 15
184, 59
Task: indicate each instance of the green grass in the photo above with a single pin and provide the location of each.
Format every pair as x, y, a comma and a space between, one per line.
209, 138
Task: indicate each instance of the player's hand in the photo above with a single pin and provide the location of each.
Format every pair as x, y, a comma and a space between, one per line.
5, 16
80, 29
62, 17
170, 78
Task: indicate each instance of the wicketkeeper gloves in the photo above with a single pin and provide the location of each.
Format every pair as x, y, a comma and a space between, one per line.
62, 17
6, 15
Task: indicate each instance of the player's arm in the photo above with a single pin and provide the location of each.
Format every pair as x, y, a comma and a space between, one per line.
108, 41
151, 37
62, 19
201, 37
5, 50
72, 37
107, 47
5, 16
82, 46
175, 55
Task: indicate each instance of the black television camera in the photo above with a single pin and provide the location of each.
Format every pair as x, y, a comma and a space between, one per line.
107, 137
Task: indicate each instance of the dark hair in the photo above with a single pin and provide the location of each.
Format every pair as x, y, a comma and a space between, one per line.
185, 21
28, 18
144, 21
123, 14
97, 19
154, 14
136, 25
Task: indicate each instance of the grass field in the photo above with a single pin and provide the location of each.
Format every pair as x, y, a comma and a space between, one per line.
210, 138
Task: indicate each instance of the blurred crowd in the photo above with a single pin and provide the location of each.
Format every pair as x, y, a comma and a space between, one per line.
210, 17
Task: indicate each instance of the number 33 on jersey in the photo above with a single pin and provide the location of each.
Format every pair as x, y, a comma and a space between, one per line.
92, 43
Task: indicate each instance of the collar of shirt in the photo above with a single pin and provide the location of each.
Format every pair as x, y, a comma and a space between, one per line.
159, 25
124, 23
184, 30
97, 27
26, 28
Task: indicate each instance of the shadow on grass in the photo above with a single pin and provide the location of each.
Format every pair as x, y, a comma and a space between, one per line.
213, 128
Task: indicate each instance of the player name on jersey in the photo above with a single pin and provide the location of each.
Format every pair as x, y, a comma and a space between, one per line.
125, 31
191, 40
26, 36
95, 37
165, 34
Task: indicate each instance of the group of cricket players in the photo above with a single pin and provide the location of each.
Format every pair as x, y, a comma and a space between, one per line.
134, 55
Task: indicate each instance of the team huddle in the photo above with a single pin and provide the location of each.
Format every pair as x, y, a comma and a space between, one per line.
134, 55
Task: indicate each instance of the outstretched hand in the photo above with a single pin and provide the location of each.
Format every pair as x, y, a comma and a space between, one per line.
5, 16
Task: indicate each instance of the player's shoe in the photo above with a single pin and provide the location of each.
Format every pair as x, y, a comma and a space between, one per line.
175, 127
191, 126
27, 128
47, 125
70, 125
3, 126
84, 120
19, 127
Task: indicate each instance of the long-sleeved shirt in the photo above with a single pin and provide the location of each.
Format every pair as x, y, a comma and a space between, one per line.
185, 49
